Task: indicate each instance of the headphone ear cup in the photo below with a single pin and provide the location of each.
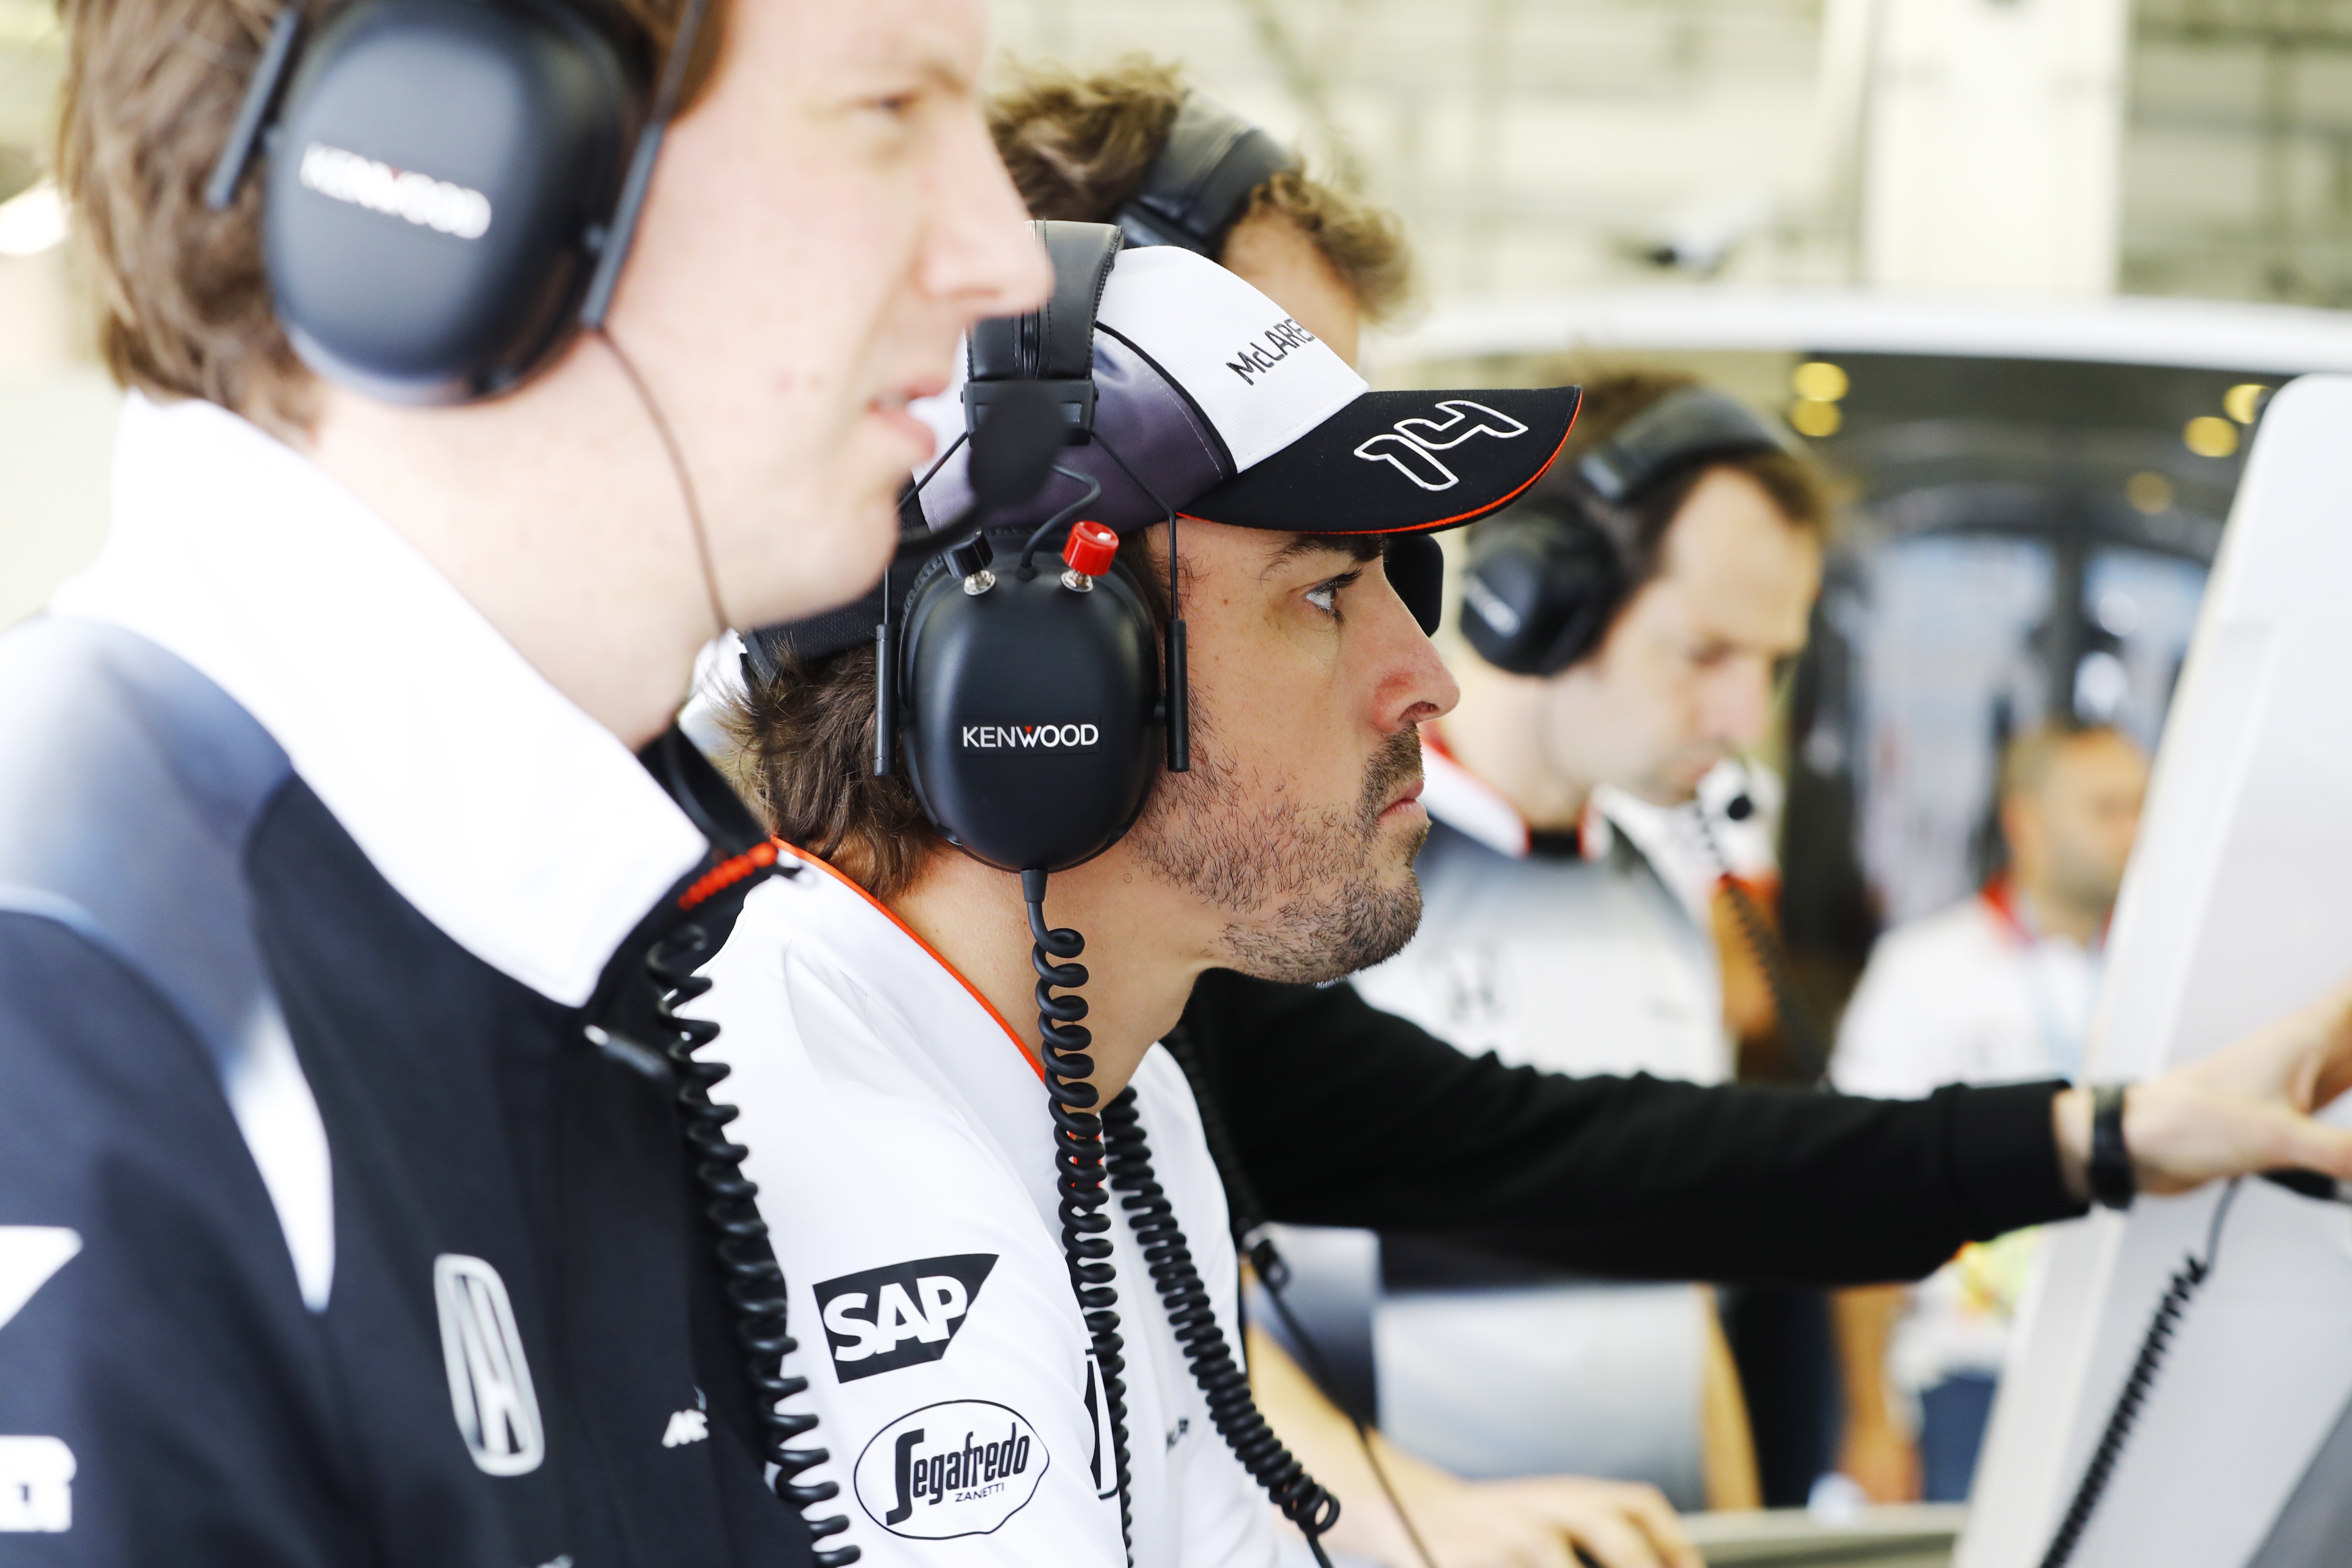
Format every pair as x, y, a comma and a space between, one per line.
1541, 591
437, 185
1030, 714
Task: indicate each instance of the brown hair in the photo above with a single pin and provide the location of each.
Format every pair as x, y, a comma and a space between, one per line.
151, 89
1614, 399
803, 755
1079, 145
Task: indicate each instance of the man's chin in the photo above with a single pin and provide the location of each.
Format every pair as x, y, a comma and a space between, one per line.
1347, 931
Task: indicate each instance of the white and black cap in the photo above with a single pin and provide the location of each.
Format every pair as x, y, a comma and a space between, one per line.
1231, 412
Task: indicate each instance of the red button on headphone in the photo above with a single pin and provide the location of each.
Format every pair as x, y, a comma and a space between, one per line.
1090, 548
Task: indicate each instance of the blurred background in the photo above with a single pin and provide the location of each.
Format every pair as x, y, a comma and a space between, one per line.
2024, 273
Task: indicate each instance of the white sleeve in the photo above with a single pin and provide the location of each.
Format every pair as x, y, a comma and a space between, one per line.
946, 1361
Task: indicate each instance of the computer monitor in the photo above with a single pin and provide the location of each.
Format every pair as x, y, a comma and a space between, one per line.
2238, 906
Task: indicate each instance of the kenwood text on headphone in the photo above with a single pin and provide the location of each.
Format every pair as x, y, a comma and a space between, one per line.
1547, 577
452, 186
1200, 185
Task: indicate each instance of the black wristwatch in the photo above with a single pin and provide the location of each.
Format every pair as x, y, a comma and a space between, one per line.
2111, 1165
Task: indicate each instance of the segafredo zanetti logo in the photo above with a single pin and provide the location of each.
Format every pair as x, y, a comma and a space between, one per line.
442, 206
1076, 735
960, 1468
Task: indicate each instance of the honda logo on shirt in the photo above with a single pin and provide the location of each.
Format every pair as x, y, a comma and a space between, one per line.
489, 1380
902, 1315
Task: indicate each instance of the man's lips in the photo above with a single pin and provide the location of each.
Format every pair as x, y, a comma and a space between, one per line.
1408, 796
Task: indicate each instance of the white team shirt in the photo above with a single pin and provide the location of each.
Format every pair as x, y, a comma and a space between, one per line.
900, 1138
1968, 996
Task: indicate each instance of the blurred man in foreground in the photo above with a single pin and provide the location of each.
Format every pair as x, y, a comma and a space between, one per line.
345, 1217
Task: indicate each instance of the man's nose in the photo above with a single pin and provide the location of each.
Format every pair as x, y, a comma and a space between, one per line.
981, 253
1741, 708
1414, 684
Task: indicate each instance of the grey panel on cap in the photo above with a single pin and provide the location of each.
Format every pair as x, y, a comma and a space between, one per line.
1151, 424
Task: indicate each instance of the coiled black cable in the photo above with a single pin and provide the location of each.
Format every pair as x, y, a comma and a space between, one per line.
1079, 1166
1222, 1382
1771, 955
755, 1283
2191, 1273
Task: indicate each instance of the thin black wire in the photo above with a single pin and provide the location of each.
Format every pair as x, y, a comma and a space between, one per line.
1320, 1371
1225, 1385
1248, 1222
1093, 494
2192, 1273
685, 479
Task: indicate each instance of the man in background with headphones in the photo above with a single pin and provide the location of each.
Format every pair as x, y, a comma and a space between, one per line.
487, 360
1631, 1177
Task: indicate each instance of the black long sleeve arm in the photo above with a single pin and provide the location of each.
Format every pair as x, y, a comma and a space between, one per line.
1340, 1114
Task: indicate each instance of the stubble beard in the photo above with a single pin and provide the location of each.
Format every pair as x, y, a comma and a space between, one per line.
1302, 885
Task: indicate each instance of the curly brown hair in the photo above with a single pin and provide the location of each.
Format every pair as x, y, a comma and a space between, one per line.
151, 89
1079, 145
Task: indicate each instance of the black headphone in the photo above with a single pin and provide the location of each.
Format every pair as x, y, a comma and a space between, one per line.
453, 184
1200, 185
1028, 701
1547, 577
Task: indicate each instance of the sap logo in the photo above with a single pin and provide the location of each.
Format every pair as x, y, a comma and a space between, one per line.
489, 1381
437, 205
960, 1468
884, 1319
1269, 348
1411, 445
1031, 737
35, 1485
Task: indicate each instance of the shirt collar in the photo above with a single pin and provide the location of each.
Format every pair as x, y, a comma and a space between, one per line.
1468, 804
521, 828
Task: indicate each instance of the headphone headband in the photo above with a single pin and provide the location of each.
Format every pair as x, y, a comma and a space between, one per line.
1548, 578
1054, 345
1201, 181
1674, 433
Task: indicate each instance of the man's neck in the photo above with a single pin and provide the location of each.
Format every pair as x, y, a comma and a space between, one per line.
2053, 916
1138, 974
536, 508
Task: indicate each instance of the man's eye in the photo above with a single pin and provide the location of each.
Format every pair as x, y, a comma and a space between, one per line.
1325, 596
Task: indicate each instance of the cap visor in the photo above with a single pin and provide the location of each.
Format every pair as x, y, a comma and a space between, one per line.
1401, 462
